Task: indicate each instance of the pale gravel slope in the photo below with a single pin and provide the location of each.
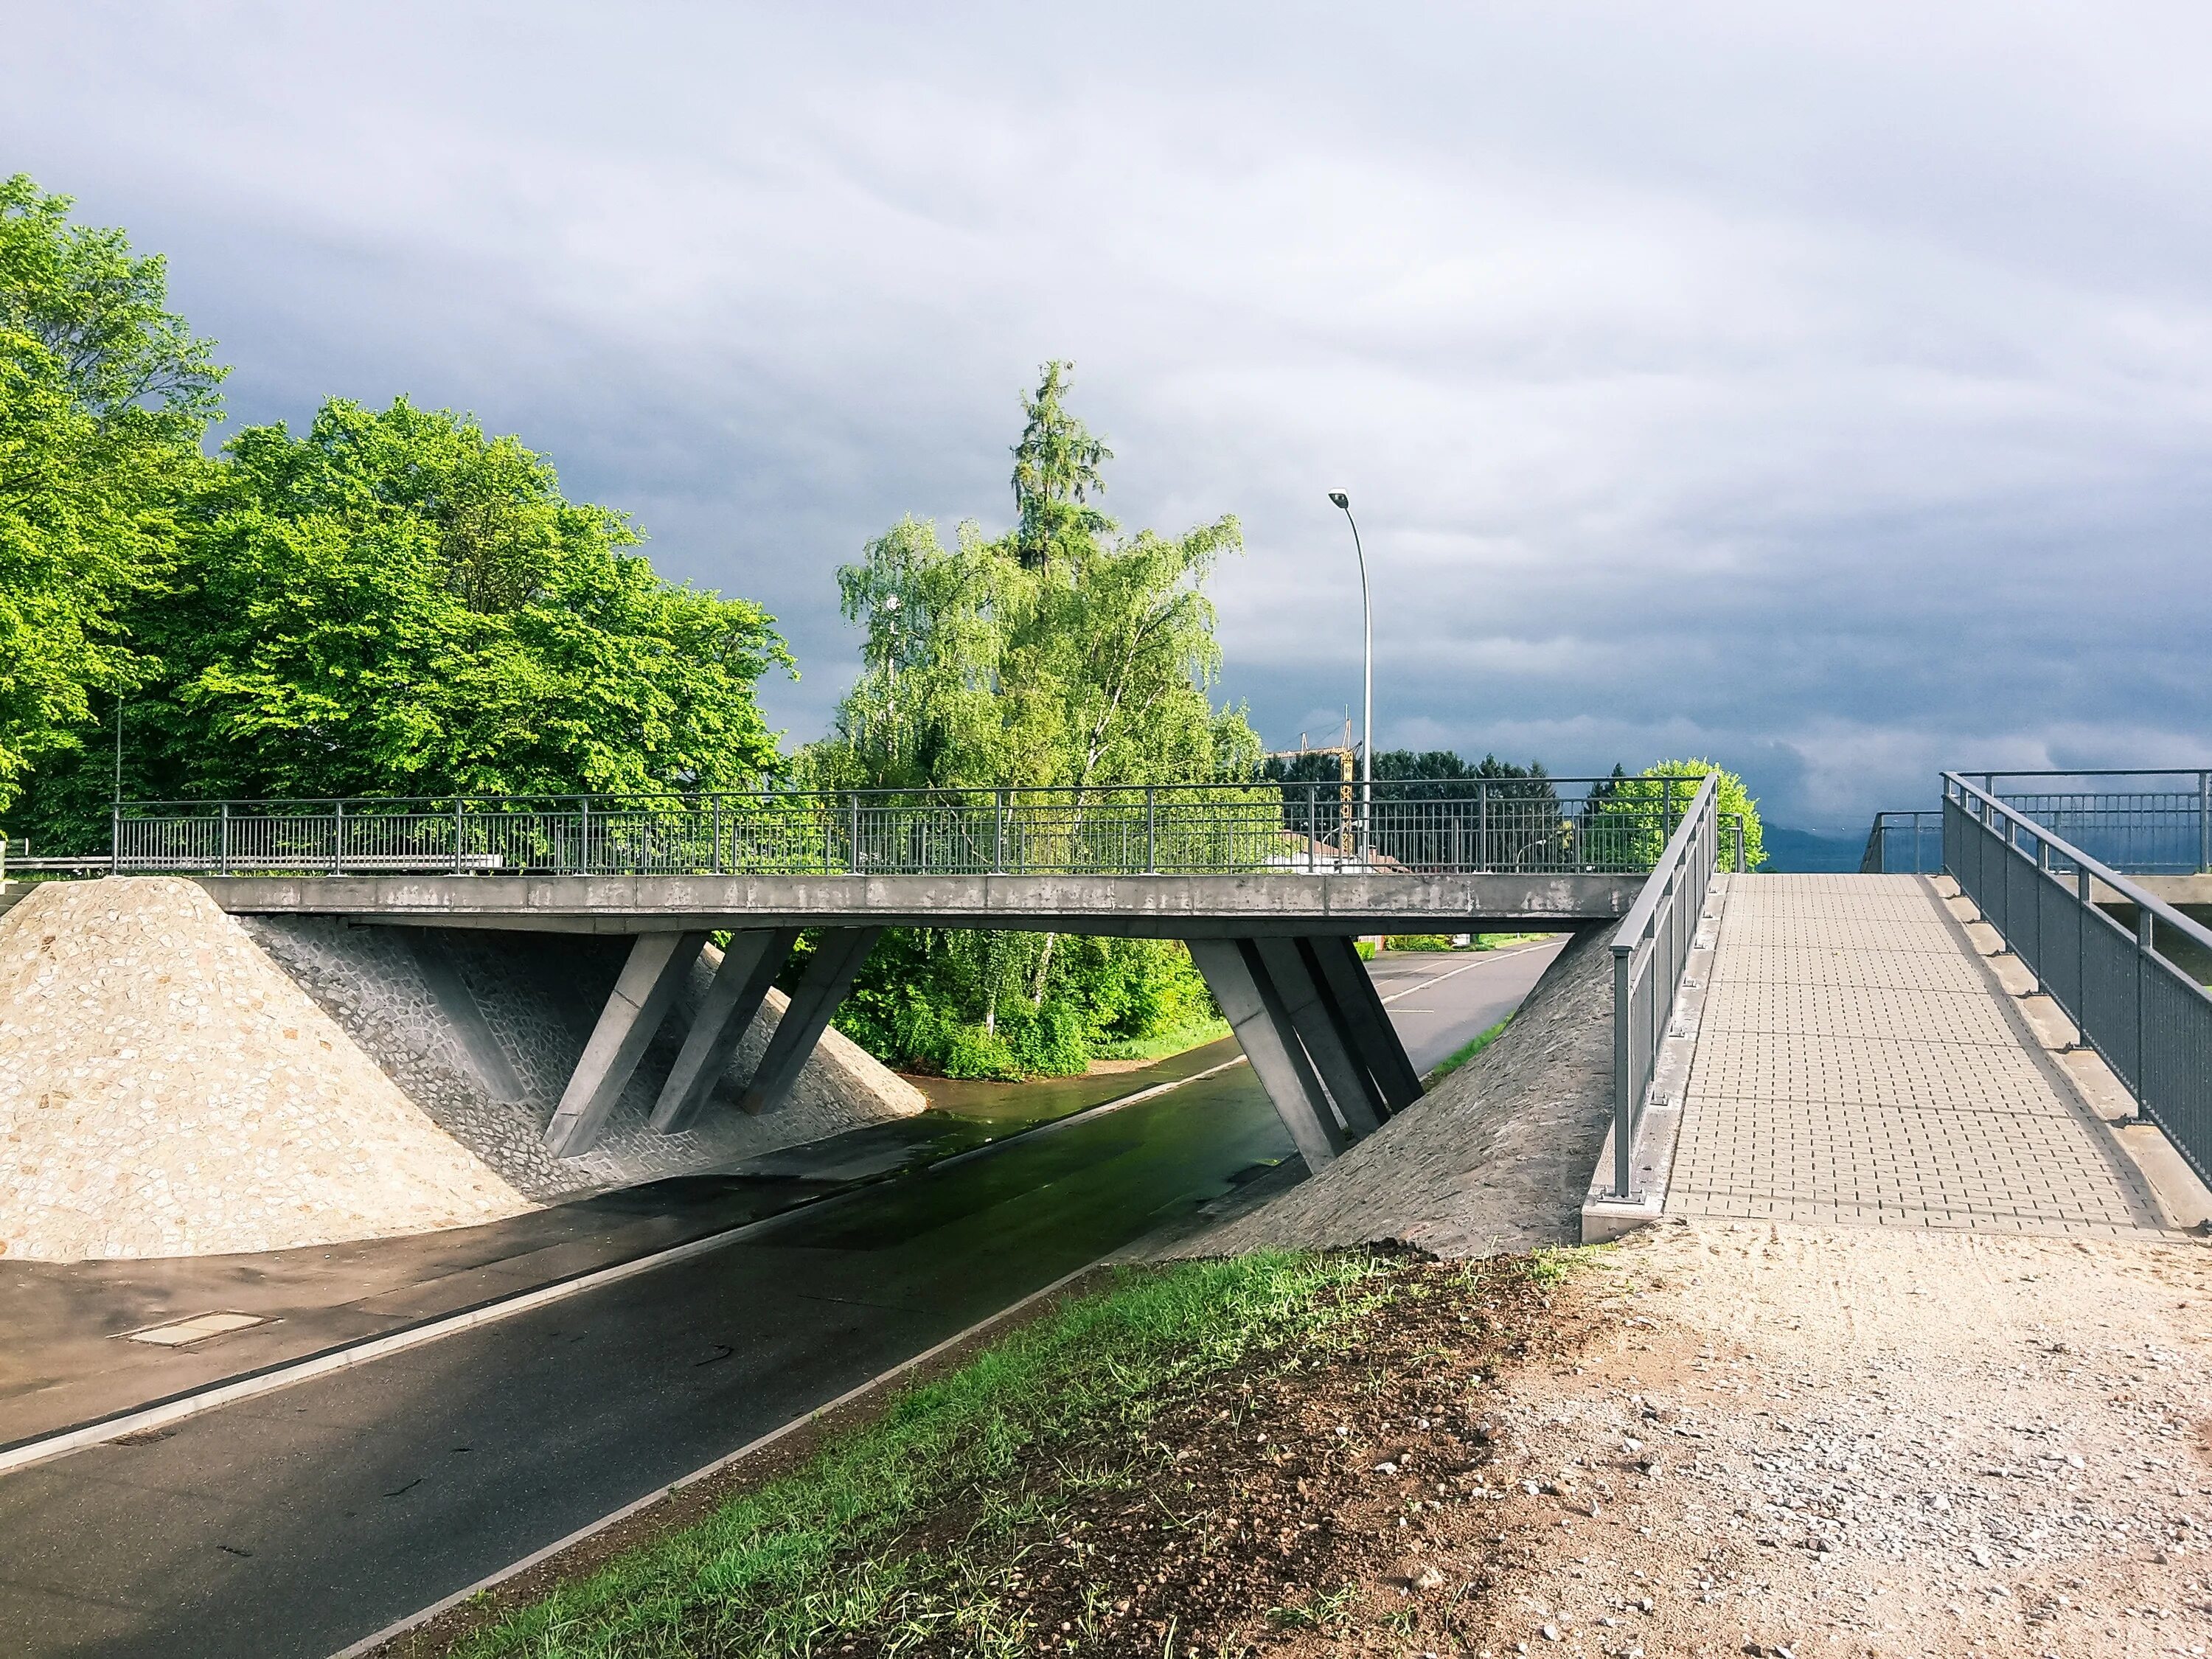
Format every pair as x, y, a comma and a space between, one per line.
166, 1089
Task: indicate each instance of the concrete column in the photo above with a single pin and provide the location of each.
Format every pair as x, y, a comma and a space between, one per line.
1364, 1021
649, 982
1254, 1012
1359, 1105
749, 966
828, 975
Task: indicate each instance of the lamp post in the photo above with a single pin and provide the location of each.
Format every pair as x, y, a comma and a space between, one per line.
1367, 685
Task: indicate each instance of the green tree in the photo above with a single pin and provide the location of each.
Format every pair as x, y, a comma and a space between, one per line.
397, 602
1644, 808
104, 396
1063, 654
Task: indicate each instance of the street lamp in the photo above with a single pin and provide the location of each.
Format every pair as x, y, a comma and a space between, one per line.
1367, 691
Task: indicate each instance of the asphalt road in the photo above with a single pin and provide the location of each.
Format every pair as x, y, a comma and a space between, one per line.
301, 1521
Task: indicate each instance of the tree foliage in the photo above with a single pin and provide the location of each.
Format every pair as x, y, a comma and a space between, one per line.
393, 602
1065, 653
104, 396
1640, 804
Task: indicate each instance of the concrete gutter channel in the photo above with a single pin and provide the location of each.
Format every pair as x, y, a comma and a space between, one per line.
583, 1253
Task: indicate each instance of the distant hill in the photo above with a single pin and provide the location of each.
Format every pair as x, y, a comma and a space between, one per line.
1807, 852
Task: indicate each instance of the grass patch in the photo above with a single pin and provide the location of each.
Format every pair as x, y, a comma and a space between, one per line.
1451, 1063
825, 1555
1161, 1044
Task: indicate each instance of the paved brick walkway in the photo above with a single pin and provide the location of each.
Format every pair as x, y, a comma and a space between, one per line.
1855, 1062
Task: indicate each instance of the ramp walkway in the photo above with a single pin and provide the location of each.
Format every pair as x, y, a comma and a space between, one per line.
1858, 1062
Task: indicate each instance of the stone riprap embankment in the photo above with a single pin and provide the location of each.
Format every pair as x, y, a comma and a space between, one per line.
482, 1030
1497, 1157
173, 1081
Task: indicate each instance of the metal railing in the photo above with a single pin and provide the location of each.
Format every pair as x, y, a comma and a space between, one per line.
1454, 825
1908, 841
1649, 952
2148, 820
2150, 1022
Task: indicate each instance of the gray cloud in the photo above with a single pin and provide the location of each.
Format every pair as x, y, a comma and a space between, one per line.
1824, 393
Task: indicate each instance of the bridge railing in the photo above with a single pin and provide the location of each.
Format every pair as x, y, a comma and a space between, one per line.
1649, 952
2144, 1014
1588, 826
1907, 841
2147, 821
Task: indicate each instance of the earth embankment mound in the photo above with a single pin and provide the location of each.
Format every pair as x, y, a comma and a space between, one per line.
1496, 1158
166, 1089
175, 1081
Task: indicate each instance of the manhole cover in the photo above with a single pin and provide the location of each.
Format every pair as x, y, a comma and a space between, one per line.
183, 1332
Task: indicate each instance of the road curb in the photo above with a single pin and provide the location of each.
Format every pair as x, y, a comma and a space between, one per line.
447, 1604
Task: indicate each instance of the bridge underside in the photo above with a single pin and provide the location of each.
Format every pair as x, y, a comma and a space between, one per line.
1276, 948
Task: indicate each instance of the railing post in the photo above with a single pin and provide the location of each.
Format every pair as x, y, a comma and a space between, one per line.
2204, 823
2144, 924
457, 835
999, 836
222, 862
1152, 829
1313, 827
715, 858
1482, 824
2082, 957
584, 835
337, 839
853, 832
1739, 845
1623, 1072
115, 840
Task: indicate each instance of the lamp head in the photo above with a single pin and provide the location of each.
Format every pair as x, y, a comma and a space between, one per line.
1341, 499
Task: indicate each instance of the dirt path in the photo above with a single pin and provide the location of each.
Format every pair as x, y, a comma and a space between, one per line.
1813, 1441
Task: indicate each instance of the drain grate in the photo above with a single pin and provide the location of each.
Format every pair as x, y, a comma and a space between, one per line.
183, 1332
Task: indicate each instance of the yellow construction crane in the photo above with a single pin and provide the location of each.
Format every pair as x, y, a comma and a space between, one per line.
1345, 754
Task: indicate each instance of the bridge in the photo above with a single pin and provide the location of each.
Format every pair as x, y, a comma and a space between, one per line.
1836, 1046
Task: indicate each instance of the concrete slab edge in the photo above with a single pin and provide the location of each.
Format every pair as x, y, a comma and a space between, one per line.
1607, 1216
370, 1643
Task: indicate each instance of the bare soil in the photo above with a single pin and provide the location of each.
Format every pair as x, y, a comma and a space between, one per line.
1714, 1439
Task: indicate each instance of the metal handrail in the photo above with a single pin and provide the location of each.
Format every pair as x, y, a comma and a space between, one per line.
1875, 861
2153, 825
1429, 825
2148, 1020
1650, 949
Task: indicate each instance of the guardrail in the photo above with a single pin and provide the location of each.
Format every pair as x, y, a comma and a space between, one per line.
1457, 826
2161, 827
2150, 1022
1906, 841
1649, 952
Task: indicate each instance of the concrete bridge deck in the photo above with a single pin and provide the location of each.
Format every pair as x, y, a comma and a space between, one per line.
1287, 903
1858, 1061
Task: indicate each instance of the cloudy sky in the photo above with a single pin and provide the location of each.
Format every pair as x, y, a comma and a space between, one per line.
1825, 390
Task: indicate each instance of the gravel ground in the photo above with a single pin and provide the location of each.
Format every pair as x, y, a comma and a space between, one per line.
1810, 1441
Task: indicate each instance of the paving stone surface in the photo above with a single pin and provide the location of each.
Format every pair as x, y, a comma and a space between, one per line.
1857, 1063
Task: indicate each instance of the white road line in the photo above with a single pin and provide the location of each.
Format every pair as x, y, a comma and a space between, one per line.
1438, 979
